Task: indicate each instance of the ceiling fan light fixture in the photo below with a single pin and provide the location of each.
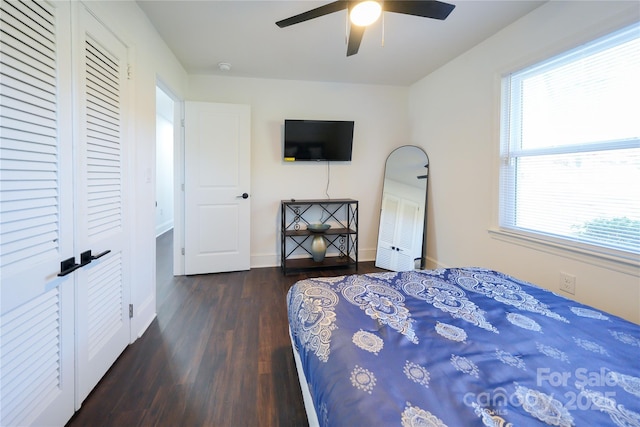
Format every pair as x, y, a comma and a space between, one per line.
365, 13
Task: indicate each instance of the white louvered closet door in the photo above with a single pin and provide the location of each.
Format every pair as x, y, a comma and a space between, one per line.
102, 297
36, 215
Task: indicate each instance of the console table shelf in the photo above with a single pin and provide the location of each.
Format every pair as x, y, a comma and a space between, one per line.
341, 238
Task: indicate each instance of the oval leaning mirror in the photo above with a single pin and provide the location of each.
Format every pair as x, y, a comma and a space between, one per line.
401, 235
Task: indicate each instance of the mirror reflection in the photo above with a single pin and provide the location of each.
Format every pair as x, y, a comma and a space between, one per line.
402, 218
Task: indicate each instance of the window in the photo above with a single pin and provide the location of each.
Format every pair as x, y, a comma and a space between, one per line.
570, 147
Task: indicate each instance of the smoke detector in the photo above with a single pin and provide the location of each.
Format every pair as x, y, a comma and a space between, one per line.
224, 66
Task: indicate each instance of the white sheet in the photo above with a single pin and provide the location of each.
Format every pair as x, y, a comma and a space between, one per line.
312, 416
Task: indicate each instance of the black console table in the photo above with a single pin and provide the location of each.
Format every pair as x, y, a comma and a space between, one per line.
341, 238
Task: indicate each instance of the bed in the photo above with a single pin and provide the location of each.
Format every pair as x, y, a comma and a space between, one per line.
459, 347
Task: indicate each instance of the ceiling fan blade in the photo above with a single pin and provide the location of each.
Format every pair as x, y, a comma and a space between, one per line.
425, 8
313, 13
355, 37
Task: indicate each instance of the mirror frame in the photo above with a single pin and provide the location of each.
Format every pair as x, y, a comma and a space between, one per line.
410, 166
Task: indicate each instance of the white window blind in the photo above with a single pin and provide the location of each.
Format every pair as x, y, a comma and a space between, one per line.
570, 147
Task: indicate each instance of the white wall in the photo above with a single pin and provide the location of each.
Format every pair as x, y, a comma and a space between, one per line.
150, 59
380, 114
454, 114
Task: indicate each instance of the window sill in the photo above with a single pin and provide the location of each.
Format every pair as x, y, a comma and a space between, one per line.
624, 263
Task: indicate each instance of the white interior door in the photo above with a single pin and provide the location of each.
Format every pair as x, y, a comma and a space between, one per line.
385, 255
103, 293
217, 179
400, 235
36, 215
409, 234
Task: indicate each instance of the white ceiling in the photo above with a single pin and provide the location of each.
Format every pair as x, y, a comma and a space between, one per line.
243, 33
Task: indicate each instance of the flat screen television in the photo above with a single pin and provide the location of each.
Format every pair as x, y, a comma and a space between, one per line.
317, 140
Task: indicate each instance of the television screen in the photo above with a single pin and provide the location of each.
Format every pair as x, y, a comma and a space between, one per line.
315, 140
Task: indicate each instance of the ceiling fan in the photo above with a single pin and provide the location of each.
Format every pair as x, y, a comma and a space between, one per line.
363, 13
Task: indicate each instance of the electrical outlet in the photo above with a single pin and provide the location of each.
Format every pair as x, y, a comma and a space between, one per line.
568, 283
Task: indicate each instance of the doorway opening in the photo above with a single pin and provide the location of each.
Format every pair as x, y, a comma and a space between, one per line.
164, 162
168, 201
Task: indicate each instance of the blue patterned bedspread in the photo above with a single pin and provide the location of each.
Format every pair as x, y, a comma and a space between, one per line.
461, 347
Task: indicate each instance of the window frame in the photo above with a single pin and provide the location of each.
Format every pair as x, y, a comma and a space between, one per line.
509, 150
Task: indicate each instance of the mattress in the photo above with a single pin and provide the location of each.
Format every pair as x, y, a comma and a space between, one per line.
460, 347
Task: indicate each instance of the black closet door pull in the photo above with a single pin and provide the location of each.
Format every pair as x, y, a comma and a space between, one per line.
68, 266
85, 258
101, 254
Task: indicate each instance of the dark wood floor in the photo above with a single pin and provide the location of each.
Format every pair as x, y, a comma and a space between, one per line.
218, 354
